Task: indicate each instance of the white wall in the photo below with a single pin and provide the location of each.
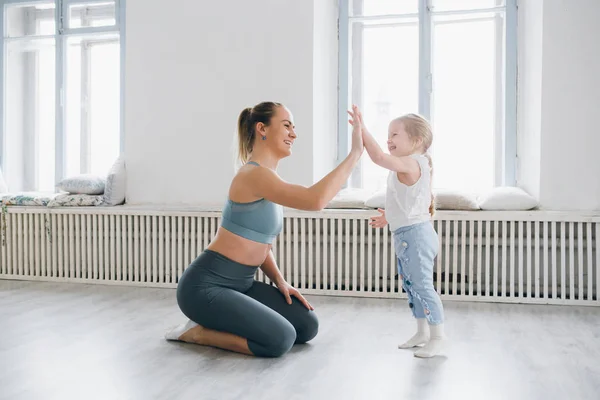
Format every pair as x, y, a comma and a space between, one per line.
571, 103
529, 97
559, 98
191, 67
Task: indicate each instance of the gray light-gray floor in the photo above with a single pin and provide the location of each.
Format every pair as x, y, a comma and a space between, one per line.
70, 341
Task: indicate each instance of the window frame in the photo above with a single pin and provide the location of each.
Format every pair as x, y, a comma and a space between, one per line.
62, 33
349, 62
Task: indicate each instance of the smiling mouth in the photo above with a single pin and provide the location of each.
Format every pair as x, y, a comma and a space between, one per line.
288, 142
390, 148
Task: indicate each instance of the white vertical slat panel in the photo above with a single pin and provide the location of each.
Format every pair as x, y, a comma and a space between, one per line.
369, 282
536, 256
303, 280
554, 265
136, 247
504, 244
332, 263
101, 253
186, 244
590, 261
355, 254
479, 254
105, 248
347, 259
55, 267
488, 251
597, 268
384, 262
463, 258
340, 249
471, 287
39, 239
288, 249
86, 246
455, 266
205, 229
396, 286
496, 259
529, 249
179, 247
521, 291
325, 262
580, 282
311, 264
125, 248
447, 270
14, 266
4, 242
147, 238
154, 260
169, 277
563, 261
194, 242
545, 262
512, 263
318, 252
441, 233
119, 248
27, 245
377, 233
295, 263
161, 250
174, 244
130, 231
20, 237
361, 281
71, 241
572, 261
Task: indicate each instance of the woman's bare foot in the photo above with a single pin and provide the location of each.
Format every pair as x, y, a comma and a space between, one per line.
193, 335
189, 332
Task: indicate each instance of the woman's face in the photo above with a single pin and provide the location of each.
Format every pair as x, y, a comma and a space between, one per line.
280, 134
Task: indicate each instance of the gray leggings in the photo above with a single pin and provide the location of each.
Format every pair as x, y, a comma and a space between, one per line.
221, 294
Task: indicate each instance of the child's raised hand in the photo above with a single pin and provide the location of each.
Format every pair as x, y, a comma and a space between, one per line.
379, 221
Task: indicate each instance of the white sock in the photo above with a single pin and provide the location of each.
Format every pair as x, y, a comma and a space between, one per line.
420, 338
179, 330
435, 344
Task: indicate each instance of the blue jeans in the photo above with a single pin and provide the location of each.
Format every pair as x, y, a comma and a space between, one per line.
416, 248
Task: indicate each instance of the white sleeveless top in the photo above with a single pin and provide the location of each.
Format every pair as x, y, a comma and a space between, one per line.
409, 205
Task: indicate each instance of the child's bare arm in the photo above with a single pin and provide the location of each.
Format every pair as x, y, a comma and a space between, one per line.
403, 165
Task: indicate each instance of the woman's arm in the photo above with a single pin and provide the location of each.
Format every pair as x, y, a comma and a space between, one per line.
269, 267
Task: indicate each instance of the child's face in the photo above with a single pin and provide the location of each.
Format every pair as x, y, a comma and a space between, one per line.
399, 143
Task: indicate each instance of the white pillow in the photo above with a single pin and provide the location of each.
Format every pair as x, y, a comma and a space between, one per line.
82, 184
447, 199
507, 198
3, 185
377, 200
76, 200
114, 192
349, 198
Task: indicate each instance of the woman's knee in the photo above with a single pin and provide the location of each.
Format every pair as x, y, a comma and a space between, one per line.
279, 342
308, 328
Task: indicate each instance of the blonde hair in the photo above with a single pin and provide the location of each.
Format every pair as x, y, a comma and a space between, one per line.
249, 117
419, 129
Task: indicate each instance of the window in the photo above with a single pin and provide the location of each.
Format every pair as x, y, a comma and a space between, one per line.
452, 61
62, 93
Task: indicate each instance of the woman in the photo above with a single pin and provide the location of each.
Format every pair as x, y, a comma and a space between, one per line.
227, 308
